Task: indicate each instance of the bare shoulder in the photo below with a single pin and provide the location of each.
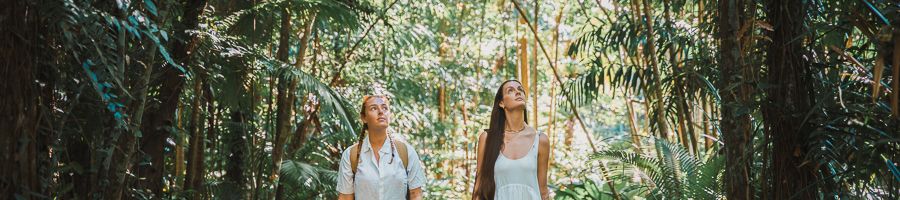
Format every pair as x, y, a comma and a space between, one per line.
482, 137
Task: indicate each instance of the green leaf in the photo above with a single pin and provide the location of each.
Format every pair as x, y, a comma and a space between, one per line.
151, 7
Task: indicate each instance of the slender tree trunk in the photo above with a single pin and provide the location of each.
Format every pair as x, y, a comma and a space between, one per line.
895, 67
534, 68
707, 124
159, 121
301, 128
286, 97
789, 101
735, 126
570, 131
685, 129
209, 147
179, 164
635, 133
196, 144
657, 93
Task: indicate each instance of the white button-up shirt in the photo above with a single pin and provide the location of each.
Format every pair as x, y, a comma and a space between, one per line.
383, 181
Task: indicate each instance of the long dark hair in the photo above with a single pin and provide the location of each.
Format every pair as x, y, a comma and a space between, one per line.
494, 142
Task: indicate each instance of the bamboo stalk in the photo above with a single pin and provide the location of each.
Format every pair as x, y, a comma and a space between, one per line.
534, 70
635, 133
465, 118
523, 63
707, 123
660, 110
551, 132
442, 105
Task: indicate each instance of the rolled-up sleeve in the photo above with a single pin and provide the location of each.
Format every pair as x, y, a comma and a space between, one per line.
345, 174
416, 171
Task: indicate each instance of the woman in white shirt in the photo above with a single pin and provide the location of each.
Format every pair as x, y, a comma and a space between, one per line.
512, 156
375, 167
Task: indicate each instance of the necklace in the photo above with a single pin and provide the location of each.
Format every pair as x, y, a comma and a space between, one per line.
517, 131
513, 134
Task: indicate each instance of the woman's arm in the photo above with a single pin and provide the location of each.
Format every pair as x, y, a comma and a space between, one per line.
482, 140
543, 165
416, 174
345, 180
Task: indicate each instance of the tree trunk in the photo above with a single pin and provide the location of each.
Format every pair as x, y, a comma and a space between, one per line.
895, 79
635, 133
534, 71
20, 102
788, 101
657, 93
285, 98
735, 125
160, 118
301, 128
196, 144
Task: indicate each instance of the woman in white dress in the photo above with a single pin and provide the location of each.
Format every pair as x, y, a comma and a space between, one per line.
379, 166
512, 156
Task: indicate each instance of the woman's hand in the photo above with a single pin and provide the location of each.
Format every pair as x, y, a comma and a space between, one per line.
415, 194
345, 196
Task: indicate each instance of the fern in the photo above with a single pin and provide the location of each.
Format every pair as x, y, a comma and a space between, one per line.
675, 174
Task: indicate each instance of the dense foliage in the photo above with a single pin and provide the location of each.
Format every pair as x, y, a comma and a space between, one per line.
641, 99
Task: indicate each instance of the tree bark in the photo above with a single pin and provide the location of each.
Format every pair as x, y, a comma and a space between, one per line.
657, 94
196, 144
160, 118
20, 147
895, 79
635, 133
788, 101
301, 129
285, 98
735, 124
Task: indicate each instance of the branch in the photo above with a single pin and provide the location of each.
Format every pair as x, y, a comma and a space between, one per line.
337, 74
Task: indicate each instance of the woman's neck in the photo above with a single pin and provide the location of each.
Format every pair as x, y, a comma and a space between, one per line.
515, 120
377, 136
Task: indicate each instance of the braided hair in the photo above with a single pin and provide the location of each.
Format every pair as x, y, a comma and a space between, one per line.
365, 126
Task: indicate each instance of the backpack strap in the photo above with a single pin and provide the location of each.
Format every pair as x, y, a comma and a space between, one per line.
404, 155
354, 157
401, 149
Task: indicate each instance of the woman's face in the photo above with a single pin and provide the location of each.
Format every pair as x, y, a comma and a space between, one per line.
376, 112
513, 96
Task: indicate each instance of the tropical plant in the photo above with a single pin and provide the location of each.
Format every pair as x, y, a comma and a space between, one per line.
248, 99
678, 175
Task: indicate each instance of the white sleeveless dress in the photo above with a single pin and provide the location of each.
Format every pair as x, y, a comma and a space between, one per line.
517, 179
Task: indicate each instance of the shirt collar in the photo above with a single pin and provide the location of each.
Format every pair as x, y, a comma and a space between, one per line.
385, 147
